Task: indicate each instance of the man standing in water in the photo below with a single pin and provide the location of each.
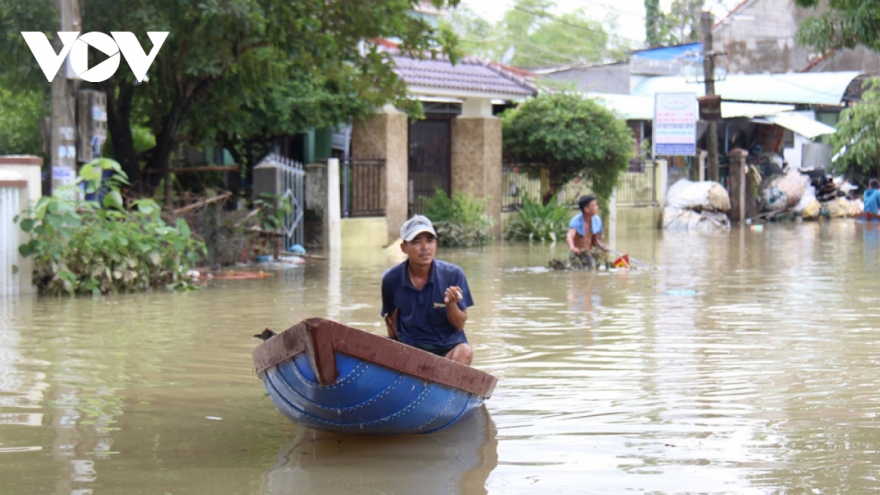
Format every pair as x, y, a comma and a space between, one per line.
586, 246
424, 300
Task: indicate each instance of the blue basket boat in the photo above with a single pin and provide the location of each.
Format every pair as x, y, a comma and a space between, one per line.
328, 376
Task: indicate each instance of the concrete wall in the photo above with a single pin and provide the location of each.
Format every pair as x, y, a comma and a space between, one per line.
760, 36
612, 78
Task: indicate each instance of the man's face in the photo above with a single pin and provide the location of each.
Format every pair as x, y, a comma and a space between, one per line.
592, 208
421, 249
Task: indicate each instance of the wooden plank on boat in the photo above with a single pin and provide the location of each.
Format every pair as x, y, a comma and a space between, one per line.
278, 349
320, 339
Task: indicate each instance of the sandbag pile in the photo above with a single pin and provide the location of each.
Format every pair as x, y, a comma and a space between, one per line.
696, 206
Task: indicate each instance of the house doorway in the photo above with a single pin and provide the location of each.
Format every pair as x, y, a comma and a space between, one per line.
430, 154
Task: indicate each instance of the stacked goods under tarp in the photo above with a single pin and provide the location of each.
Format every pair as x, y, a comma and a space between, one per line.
696, 206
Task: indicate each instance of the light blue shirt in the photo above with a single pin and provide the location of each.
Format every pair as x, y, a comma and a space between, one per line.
872, 201
577, 223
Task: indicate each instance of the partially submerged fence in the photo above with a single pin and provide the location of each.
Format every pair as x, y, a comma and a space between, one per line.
363, 187
282, 176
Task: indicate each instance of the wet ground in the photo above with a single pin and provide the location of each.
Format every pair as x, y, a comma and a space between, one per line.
744, 363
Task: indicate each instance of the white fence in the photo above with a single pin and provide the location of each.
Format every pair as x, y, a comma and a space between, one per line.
9, 208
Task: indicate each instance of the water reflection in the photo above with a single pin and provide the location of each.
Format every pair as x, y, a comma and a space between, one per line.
456, 460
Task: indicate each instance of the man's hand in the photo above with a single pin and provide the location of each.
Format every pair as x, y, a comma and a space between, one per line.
575, 250
453, 295
391, 324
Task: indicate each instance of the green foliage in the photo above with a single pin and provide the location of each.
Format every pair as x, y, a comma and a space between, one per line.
20, 113
843, 24
82, 246
857, 139
272, 209
680, 25
239, 69
539, 222
573, 136
460, 221
530, 35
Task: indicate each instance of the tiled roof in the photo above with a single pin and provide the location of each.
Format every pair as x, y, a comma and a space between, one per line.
469, 75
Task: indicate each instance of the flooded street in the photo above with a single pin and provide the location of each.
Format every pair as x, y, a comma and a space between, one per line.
744, 363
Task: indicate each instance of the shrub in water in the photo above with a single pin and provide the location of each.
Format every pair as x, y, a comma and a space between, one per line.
539, 222
83, 246
460, 221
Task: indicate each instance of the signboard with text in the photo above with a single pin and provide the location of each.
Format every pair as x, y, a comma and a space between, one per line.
675, 124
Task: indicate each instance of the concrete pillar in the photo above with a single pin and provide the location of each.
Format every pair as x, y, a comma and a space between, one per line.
316, 198
661, 177
476, 162
24, 173
385, 135
737, 181
333, 216
700, 160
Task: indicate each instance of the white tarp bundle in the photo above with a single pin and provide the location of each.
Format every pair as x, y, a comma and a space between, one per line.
693, 221
696, 207
783, 192
706, 195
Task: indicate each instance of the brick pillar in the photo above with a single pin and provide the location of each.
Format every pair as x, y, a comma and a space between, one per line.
385, 135
737, 185
476, 162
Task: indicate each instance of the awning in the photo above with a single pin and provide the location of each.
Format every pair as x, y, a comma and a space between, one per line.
814, 88
630, 107
799, 124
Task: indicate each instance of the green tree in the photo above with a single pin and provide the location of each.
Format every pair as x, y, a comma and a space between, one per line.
20, 113
857, 140
573, 137
531, 35
845, 24
653, 18
228, 50
680, 25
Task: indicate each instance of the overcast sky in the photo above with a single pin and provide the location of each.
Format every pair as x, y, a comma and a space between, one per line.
630, 13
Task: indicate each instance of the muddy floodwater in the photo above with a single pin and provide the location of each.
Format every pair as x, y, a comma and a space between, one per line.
743, 363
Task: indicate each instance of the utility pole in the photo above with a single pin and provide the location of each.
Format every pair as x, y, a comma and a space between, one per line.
62, 140
709, 77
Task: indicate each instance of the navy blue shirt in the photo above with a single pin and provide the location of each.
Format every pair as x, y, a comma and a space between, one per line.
421, 318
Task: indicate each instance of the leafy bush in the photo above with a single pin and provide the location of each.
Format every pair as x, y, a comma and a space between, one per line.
79, 246
539, 222
460, 221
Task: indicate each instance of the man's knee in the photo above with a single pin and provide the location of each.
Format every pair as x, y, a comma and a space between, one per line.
462, 353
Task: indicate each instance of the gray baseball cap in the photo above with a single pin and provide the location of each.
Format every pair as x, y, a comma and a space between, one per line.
415, 226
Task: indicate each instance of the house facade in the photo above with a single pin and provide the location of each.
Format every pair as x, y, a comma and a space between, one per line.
457, 147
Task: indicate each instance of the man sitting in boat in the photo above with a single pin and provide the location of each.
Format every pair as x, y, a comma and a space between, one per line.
424, 300
587, 249
872, 197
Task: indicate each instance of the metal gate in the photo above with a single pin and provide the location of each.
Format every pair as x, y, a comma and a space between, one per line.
9, 207
429, 160
282, 176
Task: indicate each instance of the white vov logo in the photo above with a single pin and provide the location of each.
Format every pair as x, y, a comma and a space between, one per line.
78, 49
